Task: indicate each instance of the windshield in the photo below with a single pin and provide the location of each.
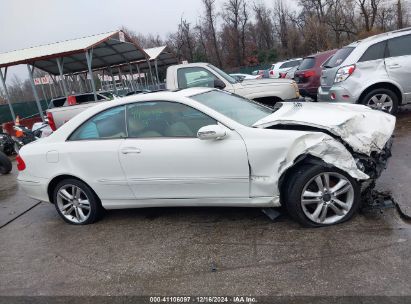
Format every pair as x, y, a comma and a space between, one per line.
339, 57
243, 111
222, 74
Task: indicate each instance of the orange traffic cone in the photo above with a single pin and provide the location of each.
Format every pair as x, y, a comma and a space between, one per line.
17, 122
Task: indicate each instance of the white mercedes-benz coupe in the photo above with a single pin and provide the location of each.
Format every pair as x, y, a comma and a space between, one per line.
205, 147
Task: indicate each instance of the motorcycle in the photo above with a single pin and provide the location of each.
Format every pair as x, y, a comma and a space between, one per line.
6, 144
5, 164
25, 136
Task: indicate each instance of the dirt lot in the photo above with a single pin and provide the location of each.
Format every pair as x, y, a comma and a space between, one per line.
208, 251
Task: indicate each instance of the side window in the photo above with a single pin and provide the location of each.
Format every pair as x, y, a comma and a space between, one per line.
109, 124
400, 46
374, 52
195, 77
164, 119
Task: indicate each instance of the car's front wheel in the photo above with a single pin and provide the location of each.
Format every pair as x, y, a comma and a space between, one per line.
76, 203
382, 99
319, 196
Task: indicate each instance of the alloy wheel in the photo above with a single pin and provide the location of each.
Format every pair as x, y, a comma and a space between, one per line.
382, 102
73, 203
327, 198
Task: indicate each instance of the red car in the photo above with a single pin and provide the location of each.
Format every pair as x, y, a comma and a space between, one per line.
309, 73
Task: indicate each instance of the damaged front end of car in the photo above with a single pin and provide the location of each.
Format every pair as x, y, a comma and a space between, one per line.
373, 165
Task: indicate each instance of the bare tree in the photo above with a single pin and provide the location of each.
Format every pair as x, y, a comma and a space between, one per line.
210, 21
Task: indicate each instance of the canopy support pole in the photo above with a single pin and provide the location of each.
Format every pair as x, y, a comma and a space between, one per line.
60, 64
36, 95
131, 75
112, 79
121, 78
151, 72
89, 58
158, 79
6, 91
139, 77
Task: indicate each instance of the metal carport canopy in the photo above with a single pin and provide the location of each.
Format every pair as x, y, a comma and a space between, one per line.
159, 54
112, 48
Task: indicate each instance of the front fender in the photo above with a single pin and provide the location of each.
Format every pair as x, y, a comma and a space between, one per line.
265, 176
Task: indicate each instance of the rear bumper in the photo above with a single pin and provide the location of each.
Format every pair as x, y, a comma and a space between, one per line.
340, 94
34, 187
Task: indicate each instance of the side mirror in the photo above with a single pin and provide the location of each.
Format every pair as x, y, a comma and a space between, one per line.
219, 84
211, 132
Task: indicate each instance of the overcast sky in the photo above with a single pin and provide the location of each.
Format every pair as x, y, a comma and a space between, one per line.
26, 23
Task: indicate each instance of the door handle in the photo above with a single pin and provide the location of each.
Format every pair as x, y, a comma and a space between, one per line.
130, 150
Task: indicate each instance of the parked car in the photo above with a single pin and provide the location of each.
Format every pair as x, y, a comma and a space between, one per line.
262, 73
266, 91
242, 77
283, 67
289, 74
308, 73
73, 105
375, 72
206, 147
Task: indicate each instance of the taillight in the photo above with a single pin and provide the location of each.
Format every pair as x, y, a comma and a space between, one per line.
308, 74
21, 165
71, 100
343, 73
52, 124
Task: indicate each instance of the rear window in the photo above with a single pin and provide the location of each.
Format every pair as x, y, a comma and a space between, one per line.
307, 63
290, 64
374, 52
57, 103
339, 57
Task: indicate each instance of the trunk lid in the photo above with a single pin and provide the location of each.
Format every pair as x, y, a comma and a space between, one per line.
364, 129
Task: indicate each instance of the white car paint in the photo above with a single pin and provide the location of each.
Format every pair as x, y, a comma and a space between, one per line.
283, 89
247, 76
241, 169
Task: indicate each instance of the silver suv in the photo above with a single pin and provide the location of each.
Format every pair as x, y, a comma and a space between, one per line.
375, 71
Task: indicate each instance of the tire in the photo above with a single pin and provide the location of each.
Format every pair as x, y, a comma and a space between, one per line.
5, 164
305, 212
376, 95
69, 202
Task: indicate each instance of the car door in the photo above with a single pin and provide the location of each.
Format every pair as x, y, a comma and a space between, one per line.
398, 63
92, 153
163, 158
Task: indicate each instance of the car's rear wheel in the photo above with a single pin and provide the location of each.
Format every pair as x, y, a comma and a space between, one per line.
381, 99
76, 203
319, 196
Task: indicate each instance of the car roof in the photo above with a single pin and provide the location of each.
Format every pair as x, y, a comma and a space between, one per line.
381, 37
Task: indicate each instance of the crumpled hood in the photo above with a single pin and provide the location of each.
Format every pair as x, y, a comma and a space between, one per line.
364, 129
